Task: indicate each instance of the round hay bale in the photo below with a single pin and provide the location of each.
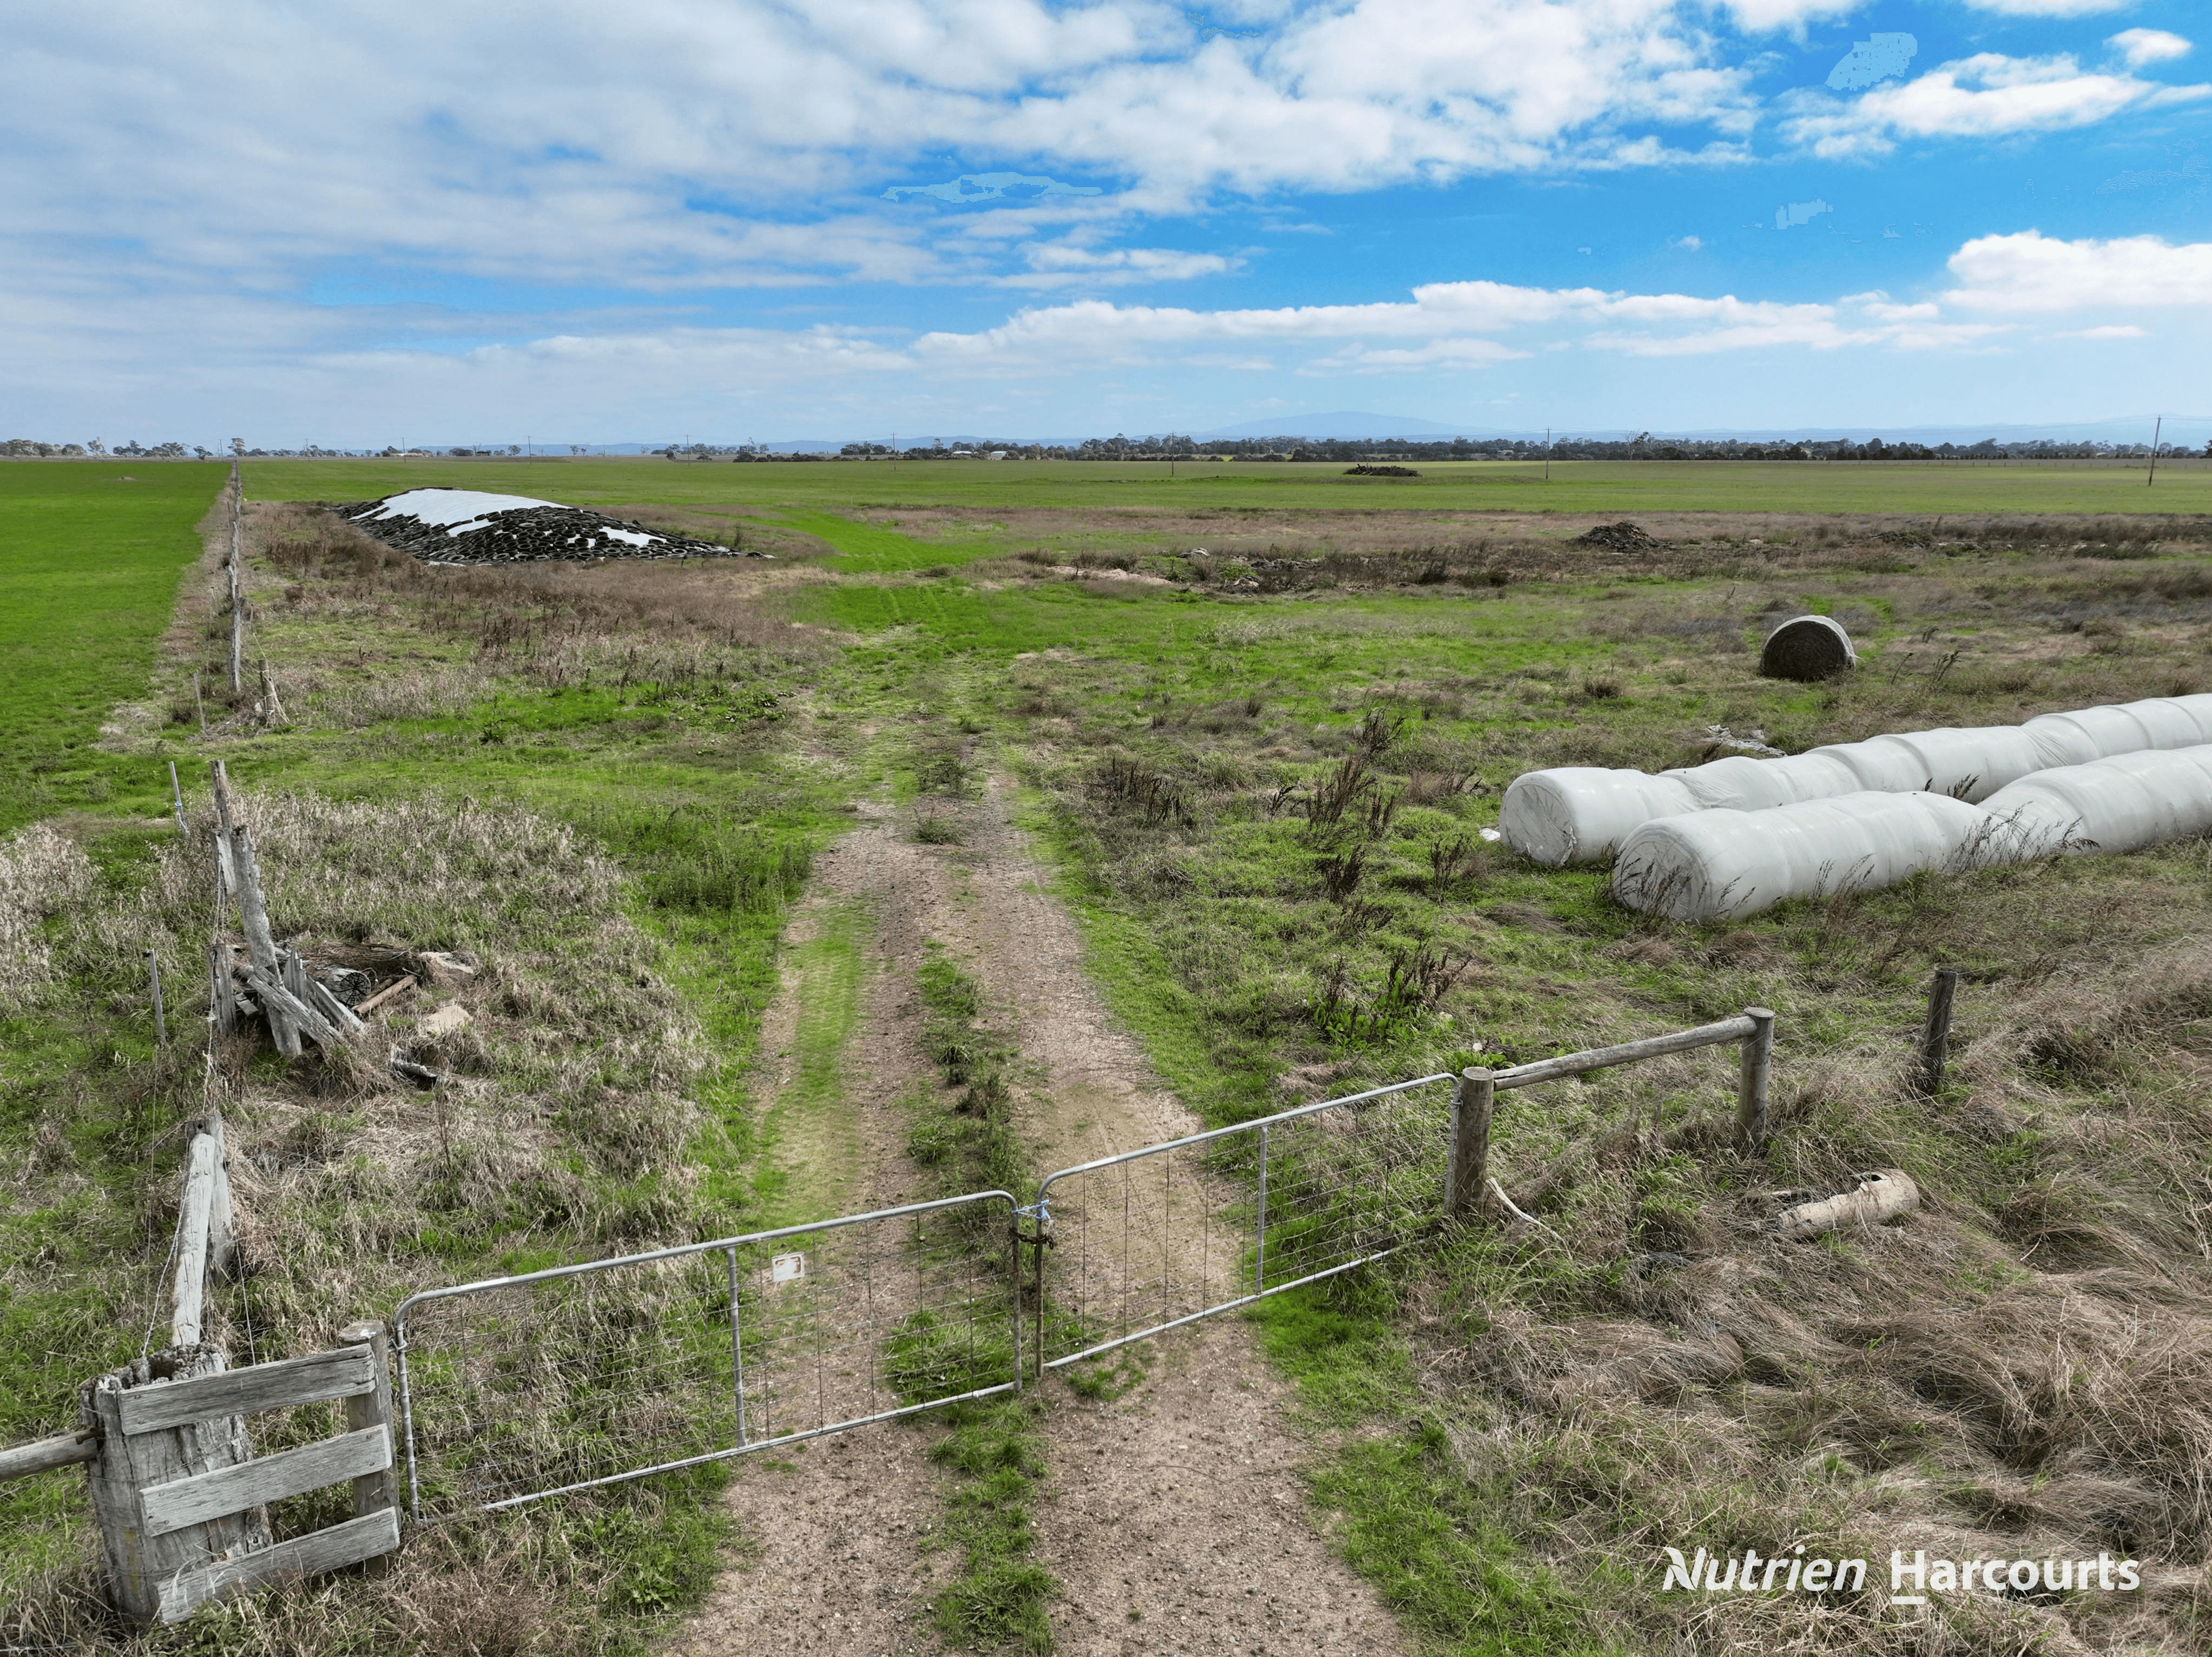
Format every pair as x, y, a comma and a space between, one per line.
1807, 648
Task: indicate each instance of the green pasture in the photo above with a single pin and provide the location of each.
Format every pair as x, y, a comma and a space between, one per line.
90, 555
1166, 736
1611, 488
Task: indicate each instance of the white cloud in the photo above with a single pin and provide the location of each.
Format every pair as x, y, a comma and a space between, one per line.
1440, 354
1761, 14
1986, 95
1687, 244
2111, 331
1063, 264
2141, 47
2030, 272
664, 142
2048, 7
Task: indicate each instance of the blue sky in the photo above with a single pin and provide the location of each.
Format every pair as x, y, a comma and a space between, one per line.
354, 224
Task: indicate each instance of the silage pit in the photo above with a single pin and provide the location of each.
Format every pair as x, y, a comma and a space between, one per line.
443, 526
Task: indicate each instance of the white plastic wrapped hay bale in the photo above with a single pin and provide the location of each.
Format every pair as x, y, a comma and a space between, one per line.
2095, 733
2121, 804
1710, 866
1581, 813
1740, 783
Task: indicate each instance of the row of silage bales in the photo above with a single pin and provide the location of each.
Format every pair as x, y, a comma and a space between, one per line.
1585, 814
1725, 864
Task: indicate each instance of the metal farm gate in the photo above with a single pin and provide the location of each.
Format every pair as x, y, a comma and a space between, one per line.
523, 1388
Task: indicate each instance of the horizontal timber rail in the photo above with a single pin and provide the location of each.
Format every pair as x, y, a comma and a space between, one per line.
1468, 1185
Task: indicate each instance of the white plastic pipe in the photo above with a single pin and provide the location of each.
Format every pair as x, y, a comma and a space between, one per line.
1720, 864
1582, 815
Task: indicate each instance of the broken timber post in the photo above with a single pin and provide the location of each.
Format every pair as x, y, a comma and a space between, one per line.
1754, 1081
272, 711
1474, 1096
1936, 1030
223, 994
259, 944
202, 1231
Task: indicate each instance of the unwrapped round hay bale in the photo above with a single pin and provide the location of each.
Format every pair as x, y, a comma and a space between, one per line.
1807, 648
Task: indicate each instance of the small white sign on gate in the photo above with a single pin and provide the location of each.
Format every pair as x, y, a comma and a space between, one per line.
786, 1268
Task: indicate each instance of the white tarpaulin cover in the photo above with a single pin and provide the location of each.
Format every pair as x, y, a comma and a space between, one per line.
444, 507
1720, 864
1581, 814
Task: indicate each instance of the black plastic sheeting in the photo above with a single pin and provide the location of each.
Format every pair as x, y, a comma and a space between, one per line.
525, 534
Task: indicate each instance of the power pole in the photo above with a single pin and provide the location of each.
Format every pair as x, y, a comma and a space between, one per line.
2154, 432
1548, 454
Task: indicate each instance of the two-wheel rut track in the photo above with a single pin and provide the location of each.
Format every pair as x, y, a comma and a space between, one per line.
1174, 1516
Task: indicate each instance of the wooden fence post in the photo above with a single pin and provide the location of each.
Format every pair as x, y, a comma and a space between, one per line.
373, 1492
1474, 1096
1754, 1081
237, 603
1936, 1030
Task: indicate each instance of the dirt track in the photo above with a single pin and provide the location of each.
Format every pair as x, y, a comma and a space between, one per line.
1174, 1516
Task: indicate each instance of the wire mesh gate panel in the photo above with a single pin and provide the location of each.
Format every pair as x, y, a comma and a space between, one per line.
1175, 1232
523, 1388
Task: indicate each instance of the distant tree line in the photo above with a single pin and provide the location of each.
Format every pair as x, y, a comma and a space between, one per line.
19, 447
1642, 447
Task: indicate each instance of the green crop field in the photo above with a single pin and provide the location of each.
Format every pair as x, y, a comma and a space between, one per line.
90, 555
1452, 487
612, 783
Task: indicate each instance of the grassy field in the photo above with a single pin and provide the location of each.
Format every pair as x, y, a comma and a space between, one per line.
90, 556
1526, 1416
1459, 487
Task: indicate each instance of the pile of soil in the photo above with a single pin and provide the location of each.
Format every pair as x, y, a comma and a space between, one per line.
1622, 537
1380, 472
464, 526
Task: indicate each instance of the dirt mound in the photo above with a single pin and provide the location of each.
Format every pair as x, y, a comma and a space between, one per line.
1622, 537
464, 526
1380, 472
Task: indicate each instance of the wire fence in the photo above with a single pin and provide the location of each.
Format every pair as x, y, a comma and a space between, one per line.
1153, 1238
524, 1387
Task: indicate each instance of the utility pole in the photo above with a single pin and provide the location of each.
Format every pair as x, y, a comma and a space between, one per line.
1548, 454
2154, 432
